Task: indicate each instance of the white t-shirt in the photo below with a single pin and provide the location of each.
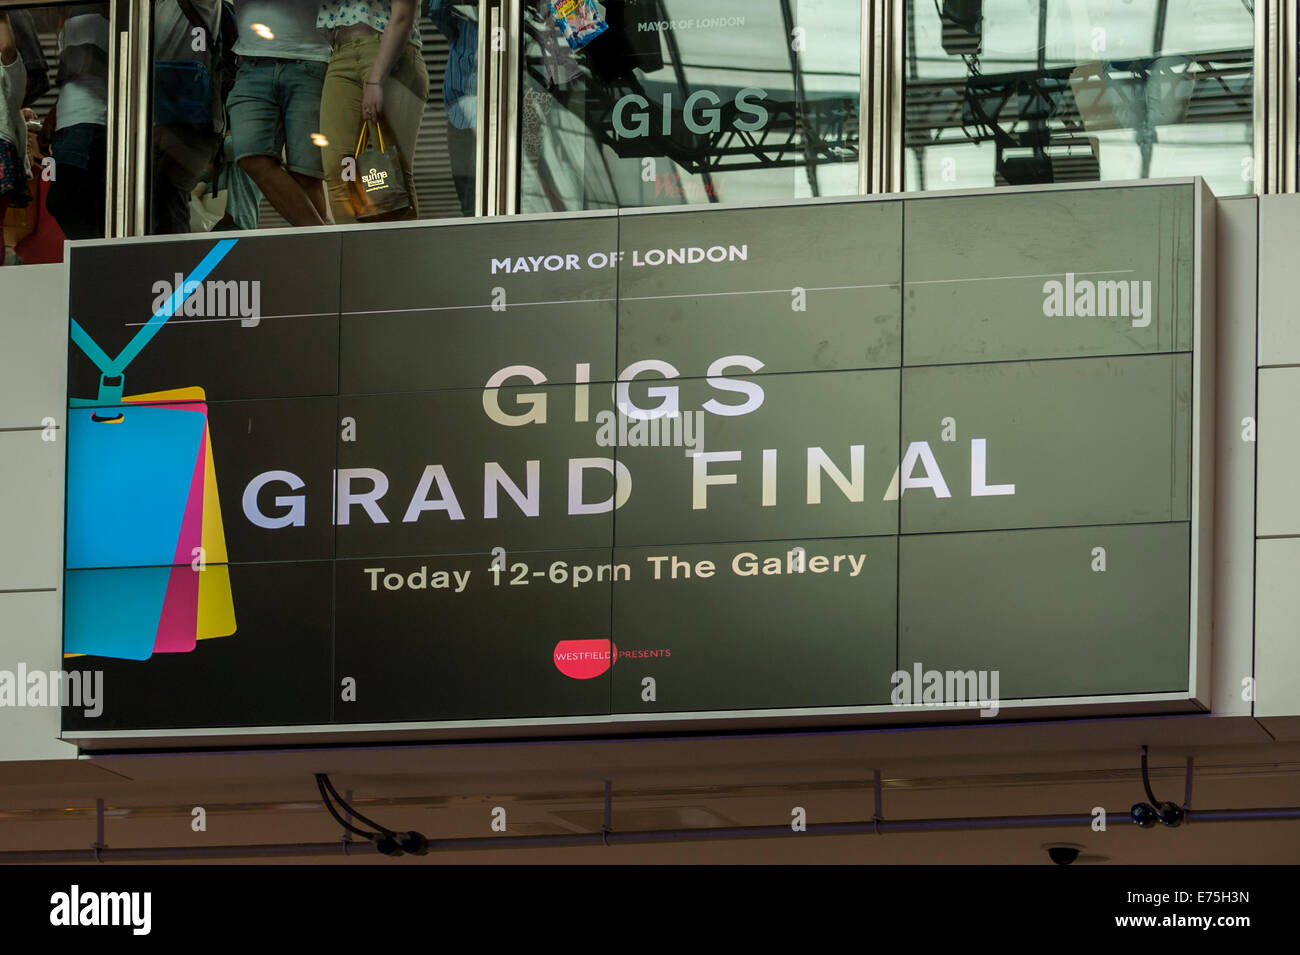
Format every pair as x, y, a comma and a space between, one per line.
83, 99
13, 87
291, 25
172, 30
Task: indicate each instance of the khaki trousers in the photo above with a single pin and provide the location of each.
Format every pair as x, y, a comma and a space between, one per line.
405, 91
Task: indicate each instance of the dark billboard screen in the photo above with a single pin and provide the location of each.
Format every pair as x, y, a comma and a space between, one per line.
610, 465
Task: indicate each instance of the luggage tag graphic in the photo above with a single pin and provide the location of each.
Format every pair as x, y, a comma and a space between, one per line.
216, 599
138, 505
177, 626
213, 611
128, 492
198, 604
178, 623
113, 612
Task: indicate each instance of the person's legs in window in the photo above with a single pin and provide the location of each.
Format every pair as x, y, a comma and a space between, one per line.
256, 119
184, 154
340, 122
14, 190
76, 201
242, 194
302, 84
406, 90
4, 245
80, 180
461, 148
169, 208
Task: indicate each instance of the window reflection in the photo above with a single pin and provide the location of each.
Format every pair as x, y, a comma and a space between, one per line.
53, 128
682, 102
1003, 92
301, 113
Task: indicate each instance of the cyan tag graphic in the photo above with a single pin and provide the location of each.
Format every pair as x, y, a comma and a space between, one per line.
136, 493
128, 493
129, 484
113, 613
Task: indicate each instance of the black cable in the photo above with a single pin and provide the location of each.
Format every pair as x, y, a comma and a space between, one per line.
370, 822
340, 800
1146, 780
320, 784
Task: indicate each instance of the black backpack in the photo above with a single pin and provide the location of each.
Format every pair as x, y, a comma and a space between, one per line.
29, 48
191, 90
189, 104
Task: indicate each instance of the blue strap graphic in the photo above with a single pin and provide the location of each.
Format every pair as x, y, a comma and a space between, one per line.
116, 367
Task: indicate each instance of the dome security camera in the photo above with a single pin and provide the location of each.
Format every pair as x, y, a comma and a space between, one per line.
1171, 814
1063, 854
1144, 815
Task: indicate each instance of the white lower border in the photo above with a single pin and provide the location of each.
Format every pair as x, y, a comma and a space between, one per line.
624, 724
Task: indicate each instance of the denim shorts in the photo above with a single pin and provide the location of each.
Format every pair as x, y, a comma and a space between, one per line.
275, 105
84, 145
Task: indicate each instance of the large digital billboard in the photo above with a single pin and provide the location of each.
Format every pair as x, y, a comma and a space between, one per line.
605, 469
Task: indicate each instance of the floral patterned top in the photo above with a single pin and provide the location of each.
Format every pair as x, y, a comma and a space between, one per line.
373, 13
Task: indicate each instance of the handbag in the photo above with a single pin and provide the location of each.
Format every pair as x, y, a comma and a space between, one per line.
380, 188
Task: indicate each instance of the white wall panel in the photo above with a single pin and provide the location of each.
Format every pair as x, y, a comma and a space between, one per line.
1279, 256
33, 345
30, 638
1279, 452
1234, 504
31, 509
1277, 628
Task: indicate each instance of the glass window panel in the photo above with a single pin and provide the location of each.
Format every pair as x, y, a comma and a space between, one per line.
53, 128
1079, 31
1001, 92
273, 137
1208, 25
677, 102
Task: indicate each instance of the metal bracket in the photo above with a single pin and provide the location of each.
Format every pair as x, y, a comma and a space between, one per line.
877, 816
99, 842
608, 827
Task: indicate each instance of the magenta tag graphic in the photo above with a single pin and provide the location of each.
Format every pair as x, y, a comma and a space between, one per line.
584, 659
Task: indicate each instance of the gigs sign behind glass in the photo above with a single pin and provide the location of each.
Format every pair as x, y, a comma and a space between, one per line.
679, 102
1016, 92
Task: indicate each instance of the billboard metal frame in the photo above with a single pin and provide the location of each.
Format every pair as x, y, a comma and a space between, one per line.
1195, 699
